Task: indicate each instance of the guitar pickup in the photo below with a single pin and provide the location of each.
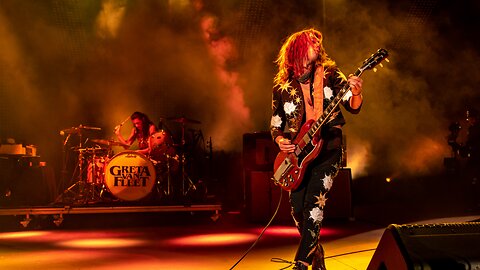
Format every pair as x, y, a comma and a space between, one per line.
282, 170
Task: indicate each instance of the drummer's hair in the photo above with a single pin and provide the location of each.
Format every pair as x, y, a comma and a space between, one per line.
146, 122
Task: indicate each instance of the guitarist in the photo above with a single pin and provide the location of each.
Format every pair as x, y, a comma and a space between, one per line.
306, 81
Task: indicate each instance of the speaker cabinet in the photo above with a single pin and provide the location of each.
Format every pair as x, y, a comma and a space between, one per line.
434, 246
339, 203
25, 184
263, 197
259, 151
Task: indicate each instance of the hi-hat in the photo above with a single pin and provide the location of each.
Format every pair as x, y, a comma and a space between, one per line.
184, 120
109, 142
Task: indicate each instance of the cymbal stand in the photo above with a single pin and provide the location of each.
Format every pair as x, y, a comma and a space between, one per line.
65, 157
79, 183
185, 177
168, 190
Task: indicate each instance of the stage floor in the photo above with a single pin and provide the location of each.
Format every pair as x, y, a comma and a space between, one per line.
179, 240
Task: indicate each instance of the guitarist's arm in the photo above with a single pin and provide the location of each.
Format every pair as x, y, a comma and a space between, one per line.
278, 122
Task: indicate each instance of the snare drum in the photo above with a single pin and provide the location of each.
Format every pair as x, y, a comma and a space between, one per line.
130, 176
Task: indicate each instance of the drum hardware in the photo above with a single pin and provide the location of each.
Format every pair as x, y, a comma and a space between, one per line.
186, 179
79, 195
110, 142
86, 184
168, 190
77, 130
187, 183
163, 155
95, 173
183, 120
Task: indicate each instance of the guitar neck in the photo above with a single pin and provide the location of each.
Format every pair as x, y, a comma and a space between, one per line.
327, 112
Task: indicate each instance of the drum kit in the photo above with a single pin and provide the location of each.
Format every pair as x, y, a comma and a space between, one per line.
100, 175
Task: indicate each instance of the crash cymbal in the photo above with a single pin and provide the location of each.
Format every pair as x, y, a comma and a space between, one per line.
75, 130
109, 142
184, 120
89, 128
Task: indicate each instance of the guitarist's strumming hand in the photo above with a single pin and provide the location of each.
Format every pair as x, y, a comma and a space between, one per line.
285, 144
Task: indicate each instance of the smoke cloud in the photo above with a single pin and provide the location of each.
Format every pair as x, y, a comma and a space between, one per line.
95, 62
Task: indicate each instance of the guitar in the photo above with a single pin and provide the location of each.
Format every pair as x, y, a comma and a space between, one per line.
290, 168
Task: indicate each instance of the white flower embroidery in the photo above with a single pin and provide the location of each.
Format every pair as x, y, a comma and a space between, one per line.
276, 121
289, 107
327, 92
317, 215
327, 182
347, 96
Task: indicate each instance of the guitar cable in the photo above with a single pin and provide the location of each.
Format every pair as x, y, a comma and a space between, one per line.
263, 231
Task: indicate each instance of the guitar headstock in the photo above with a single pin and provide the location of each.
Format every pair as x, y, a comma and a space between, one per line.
374, 60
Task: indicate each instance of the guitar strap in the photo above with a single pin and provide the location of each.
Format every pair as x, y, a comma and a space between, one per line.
313, 95
318, 93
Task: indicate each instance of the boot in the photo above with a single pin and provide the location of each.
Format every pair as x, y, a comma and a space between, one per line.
318, 262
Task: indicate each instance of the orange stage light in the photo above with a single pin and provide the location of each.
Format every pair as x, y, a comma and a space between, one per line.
214, 239
22, 235
100, 243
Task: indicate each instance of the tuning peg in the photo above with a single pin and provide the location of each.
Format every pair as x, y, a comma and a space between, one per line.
374, 69
386, 59
380, 64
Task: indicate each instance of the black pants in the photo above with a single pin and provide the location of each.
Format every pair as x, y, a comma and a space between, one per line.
308, 200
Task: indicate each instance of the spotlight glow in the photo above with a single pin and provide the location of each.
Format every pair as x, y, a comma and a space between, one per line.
283, 231
291, 231
214, 239
18, 235
101, 243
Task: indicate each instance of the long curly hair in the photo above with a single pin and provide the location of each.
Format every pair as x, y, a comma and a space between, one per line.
146, 122
294, 51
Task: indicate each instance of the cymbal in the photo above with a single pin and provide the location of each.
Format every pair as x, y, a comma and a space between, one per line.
89, 127
74, 130
184, 120
90, 149
109, 142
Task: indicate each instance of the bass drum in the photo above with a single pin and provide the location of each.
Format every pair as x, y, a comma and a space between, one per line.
130, 176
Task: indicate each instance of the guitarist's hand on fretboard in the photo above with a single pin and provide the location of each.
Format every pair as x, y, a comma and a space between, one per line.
285, 145
355, 83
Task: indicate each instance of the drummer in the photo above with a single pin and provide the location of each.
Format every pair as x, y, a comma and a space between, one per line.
142, 129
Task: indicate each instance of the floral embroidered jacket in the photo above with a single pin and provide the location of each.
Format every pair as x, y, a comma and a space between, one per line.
288, 105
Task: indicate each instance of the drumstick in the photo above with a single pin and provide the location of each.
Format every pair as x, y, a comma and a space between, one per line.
126, 119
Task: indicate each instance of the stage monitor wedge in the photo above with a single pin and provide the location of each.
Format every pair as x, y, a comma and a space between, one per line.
448, 246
